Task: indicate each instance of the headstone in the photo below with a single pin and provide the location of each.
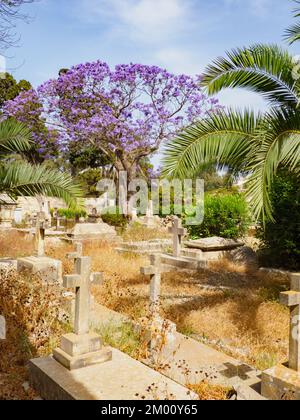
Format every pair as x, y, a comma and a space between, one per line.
40, 230
155, 327
292, 300
178, 233
283, 381
2, 328
82, 348
48, 269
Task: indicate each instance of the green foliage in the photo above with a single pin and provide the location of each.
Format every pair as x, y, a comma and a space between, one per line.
226, 215
249, 143
10, 89
22, 179
281, 240
113, 217
70, 214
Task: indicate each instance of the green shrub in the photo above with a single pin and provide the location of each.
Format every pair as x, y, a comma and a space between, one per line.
113, 217
281, 240
226, 215
70, 214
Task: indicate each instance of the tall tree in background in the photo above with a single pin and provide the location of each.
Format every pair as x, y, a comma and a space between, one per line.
10, 88
10, 12
125, 112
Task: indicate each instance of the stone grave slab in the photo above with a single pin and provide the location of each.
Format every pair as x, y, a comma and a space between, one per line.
93, 231
48, 269
210, 249
184, 263
121, 378
145, 247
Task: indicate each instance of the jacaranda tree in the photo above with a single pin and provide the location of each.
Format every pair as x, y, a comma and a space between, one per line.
126, 112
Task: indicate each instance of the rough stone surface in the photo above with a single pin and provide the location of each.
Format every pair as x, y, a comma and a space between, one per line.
120, 379
281, 383
93, 231
214, 244
145, 247
48, 269
183, 263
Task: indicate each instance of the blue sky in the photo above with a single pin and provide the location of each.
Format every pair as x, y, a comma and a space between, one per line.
181, 35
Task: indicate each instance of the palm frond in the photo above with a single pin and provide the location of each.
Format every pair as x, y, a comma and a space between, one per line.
14, 137
292, 34
29, 180
279, 146
224, 138
264, 69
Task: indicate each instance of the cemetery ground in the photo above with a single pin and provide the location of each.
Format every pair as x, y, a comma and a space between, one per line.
227, 307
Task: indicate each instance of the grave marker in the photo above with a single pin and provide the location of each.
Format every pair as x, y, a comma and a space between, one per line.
292, 300
178, 234
2, 328
82, 348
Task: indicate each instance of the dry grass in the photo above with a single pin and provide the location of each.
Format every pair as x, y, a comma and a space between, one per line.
227, 306
239, 311
138, 233
34, 321
207, 392
15, 245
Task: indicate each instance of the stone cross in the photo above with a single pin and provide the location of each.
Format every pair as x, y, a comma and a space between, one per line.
81, 281
154, 271
2, 328
40, 230
292, 300
178, 233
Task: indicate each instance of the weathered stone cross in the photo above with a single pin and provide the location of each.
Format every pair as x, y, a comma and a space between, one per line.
82, 281
292, 299
40, 234
2, 328
178, 233
154, 271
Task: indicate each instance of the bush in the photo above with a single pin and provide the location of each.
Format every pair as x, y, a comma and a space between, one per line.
226, 215
113, 217
70, 214
281, 240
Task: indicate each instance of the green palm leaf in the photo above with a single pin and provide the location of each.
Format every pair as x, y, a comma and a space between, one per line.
278, 144
292, 34
29, 180
264, 69
14, 137
225, 138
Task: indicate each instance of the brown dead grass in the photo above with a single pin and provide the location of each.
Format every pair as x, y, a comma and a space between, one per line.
244, 319
138, 233
31, 311
227, 307
15, 244
208, 392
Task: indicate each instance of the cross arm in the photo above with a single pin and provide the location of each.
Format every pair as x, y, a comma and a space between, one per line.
179, 232
97, 279
151, 270
72, 281
290, 298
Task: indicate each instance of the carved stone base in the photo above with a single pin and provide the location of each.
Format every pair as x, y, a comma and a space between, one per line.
79, 351
281, 383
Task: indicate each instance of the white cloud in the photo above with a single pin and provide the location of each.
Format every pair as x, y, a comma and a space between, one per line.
145, 20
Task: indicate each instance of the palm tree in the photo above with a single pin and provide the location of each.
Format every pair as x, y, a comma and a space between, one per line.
257, 145
18, 177
292, 34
